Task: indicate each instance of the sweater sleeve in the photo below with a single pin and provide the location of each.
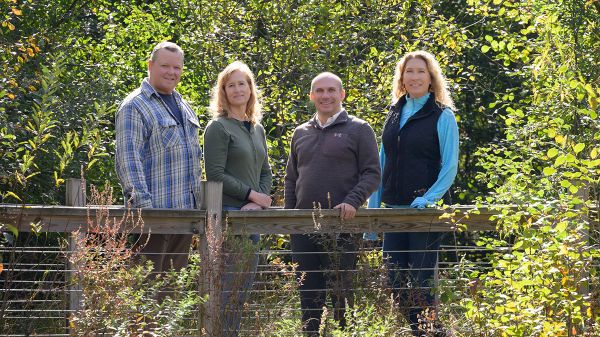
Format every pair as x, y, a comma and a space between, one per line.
375, 198
266, 175
216, 151
368, 168
447, 129
291, 175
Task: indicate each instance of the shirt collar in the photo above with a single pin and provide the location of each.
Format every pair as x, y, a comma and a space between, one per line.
148, 89
421, 100
329, 120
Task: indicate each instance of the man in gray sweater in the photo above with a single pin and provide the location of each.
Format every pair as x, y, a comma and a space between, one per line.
333, 163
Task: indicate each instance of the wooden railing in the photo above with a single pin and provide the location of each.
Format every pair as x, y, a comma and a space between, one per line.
74, 219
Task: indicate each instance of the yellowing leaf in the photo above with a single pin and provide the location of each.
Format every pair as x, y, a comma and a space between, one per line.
593, 102
1, 267
10, 26
11, 96
579, 147
549, 171
561, 226
594, 153
17, 11
446, 216
11, 194
552, 153
30, 52
560, 139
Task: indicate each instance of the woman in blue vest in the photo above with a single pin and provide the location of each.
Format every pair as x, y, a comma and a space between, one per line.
419, 158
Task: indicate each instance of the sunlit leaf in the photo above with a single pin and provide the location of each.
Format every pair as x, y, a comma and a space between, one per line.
12, 194
549, 170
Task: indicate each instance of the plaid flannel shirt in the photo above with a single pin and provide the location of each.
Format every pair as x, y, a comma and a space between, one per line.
157, 159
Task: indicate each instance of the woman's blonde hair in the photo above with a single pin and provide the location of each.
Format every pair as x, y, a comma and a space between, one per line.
439, 86
219, 106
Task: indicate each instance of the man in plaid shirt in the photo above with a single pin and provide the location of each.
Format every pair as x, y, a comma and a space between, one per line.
158, 153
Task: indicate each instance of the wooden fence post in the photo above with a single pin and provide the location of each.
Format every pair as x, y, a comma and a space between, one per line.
75, 196
211, 250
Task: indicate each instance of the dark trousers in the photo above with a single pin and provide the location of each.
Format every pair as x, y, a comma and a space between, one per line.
412, 260
166, 251
326, 264
240, 264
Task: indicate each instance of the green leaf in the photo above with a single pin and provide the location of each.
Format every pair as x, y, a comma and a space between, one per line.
14, 230
561, 226
11, 194
573, 84
549, 171
518, 245
485, 48
579, 147
565, 183
552, 153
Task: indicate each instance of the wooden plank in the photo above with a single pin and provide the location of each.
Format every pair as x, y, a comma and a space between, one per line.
62, 219
280, 221
274, 220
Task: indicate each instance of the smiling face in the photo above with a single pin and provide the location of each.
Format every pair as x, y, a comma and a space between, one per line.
416, 78
237, 90
327, 95
164, 71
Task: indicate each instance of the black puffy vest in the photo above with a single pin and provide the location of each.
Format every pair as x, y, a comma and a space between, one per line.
412, 154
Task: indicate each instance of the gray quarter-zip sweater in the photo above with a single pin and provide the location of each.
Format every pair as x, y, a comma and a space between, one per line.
339, 163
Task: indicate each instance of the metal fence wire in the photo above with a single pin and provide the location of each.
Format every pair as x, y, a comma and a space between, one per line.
35, 285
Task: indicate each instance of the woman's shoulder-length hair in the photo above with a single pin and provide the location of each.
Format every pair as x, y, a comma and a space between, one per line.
219, 106
439, 85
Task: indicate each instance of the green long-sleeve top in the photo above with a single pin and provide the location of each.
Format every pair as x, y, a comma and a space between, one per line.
238, 158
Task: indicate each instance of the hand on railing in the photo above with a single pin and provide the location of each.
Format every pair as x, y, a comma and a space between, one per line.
347, 211
251, 206
260, 199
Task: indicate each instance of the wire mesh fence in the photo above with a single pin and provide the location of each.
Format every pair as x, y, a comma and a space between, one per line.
35, 285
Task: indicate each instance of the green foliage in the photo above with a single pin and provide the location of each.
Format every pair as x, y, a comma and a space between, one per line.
547, 166
119, 294
524, 76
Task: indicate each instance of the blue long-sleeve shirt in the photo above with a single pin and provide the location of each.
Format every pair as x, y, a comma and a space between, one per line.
447, 130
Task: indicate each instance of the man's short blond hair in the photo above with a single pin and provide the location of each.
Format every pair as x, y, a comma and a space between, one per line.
170, 46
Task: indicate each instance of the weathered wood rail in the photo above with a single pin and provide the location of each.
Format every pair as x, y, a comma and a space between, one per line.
75, 218
67, 219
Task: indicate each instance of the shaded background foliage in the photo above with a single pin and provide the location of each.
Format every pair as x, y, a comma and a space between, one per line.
91, 54
525, 77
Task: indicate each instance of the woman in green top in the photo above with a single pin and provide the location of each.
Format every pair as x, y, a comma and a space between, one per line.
235, 152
